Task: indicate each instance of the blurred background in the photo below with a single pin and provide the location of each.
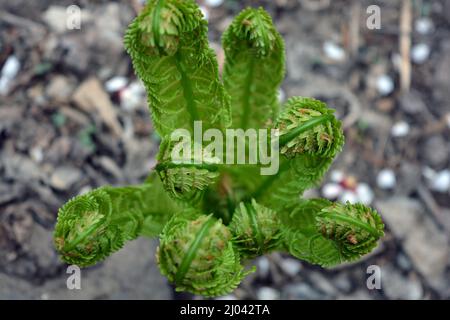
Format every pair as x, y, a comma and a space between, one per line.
73, 117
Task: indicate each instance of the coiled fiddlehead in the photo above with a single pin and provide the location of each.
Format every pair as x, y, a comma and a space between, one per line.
254, 68
256, 229
355, 228
188, 179
92, 226
327, 234
197, 254
309, 138
169, 48
308, 127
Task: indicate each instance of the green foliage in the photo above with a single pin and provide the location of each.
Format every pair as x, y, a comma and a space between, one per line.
92, 226
168, 44
254, 68
327, 234
196, 252
212, 217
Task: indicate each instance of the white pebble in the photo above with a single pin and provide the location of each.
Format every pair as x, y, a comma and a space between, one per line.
205, 12
290, 266
333, 51
9, 71
337, 176
364, 193
386, 179
332, 190
37, 154
400, 129
213, 3
349, 196
441, 182
84, 190
115, 84
267, 293
132, 96
424, 26
263, 266
420, 53
429, 173
385, 85
281, 95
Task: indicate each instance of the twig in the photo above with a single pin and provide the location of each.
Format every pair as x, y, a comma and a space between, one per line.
405, 45
354, 27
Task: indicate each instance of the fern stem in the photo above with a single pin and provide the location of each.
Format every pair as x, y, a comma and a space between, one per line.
187, 89
269, 180
254, 224
374, 232
156, 22
286, 138
190, 254
168, 164
247, 94
81, 237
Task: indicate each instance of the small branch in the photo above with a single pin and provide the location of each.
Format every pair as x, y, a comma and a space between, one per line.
405, 45
355, 16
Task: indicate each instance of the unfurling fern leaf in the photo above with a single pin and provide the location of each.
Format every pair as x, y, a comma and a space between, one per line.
327, 234
309, 138
254, 68
169, 48
186, 179
197, 254
92, 226
355, 228
256, 229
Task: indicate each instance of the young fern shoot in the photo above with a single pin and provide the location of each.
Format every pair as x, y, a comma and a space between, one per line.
212, 217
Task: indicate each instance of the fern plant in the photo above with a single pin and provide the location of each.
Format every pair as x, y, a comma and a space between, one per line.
212, 217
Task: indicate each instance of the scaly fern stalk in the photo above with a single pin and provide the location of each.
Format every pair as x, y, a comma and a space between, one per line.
210, 216
254, 68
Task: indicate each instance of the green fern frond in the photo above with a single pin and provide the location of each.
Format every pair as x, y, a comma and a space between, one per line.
197, 254
254, 68
186, 178
310, 137
256, 229
169, 49
92, 226
328, 234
